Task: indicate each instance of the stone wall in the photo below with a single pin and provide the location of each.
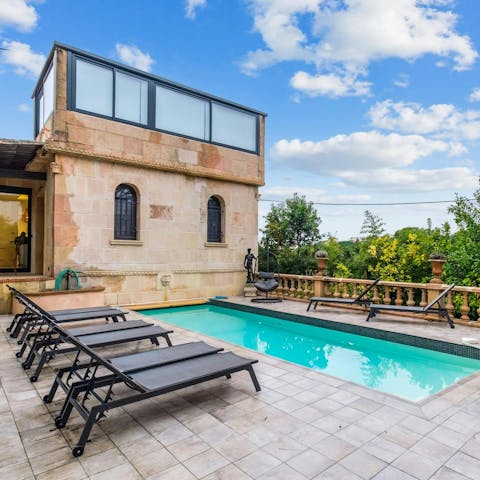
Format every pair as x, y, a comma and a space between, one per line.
172, 231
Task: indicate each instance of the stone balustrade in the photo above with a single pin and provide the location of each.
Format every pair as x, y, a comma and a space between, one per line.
463, 303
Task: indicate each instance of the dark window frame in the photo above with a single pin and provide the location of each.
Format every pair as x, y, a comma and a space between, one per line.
28, 192
151, 114
215, 216
38, 96
125, 213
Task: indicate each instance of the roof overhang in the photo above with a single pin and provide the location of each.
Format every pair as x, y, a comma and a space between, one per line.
15, 155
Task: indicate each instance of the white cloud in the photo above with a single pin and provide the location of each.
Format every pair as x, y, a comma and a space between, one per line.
408, 180
343, 38
24, 107
359, 151
475, 95
191, 7
402, 80
18, 14
442, 120
331, 85
22, 58
134, 57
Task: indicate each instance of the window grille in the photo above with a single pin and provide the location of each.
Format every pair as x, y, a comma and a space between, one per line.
214, 220
125, 213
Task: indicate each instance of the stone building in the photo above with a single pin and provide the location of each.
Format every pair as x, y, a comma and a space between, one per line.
147, 187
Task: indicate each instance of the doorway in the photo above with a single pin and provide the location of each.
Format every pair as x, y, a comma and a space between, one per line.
15, 229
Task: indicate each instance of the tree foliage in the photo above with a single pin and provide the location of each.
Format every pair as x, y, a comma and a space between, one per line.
294, 223
292, 236
373, 226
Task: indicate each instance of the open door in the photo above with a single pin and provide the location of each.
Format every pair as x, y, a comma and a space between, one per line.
15, 226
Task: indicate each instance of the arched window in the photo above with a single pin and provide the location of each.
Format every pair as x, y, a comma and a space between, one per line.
125, 213
214, 220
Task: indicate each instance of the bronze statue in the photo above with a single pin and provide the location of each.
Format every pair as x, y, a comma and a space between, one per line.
248, 265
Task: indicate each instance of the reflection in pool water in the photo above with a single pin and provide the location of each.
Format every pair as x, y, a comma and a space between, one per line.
408, 372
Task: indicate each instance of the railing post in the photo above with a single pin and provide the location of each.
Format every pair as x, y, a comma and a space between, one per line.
319, 286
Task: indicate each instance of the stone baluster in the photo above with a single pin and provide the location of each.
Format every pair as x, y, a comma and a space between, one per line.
423, 300
346, 291
398, 296
376, 296
465, 308
410, 301
336, 294
450, 305
387, 299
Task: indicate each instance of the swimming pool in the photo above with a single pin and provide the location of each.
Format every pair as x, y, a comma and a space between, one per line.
409, 372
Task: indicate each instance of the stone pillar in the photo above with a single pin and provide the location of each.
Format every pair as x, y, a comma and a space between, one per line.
319, 285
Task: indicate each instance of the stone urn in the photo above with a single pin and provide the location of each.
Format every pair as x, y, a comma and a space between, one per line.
321, 256
437, 260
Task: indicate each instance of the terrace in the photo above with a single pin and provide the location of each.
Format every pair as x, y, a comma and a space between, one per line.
302, 425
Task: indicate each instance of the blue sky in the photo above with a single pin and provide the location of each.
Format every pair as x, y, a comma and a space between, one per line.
368, 101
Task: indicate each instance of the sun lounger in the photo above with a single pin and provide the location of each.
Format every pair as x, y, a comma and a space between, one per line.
45, 342
41, 334
146, 375
359, 300
47, 347
28, 321
430, 308
132, 362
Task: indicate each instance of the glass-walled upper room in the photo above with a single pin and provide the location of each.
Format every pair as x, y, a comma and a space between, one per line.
99, 87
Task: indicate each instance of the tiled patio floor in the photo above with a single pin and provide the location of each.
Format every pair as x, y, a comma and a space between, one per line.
302, 425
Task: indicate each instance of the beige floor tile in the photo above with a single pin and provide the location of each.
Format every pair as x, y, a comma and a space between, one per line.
236, 447
310, 463
188, 448
205, 463
153, 462
72, 471
258, 463
121, 472
230, 472
178, 472
102, 461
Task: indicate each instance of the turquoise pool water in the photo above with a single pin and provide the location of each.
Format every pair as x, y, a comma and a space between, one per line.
409, 372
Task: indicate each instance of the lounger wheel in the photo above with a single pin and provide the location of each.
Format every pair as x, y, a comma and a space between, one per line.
9, 329
19, 342
33, 378
77, 451
60, 423
18, 354
25, 366
46, 399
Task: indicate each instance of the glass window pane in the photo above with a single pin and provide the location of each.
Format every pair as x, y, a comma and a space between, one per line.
131, 98
94, 88
235, 128
180, 113
48, 95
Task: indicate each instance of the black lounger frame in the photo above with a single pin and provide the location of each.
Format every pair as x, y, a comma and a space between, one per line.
359, 300
440, 309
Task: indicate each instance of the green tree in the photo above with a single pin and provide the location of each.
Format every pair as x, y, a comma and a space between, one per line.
463, 266
290, 237
293, 223
373, 225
